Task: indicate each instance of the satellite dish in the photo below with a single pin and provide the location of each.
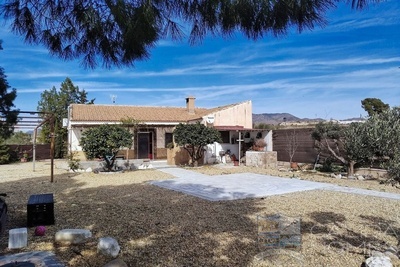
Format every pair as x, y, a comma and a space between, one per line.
210, 119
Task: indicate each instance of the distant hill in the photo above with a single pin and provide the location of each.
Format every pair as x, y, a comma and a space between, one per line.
276, 118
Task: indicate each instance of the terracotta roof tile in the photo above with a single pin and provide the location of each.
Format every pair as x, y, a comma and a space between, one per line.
114, 113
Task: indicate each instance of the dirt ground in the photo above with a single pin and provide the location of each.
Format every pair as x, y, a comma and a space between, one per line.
160, 227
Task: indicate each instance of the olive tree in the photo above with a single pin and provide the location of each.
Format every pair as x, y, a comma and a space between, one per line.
194, 137
105, 141
383, 136
345, 143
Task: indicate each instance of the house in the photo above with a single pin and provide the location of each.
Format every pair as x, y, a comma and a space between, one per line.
157, 124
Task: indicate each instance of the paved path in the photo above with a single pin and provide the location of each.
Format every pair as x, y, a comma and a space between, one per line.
39, 258
247, 185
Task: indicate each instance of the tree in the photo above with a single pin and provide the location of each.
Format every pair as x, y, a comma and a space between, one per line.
9, 116
194, 137
383, 136
374, 106
5, 156
19, 138
56, 102
346, 144
292, 143
105, 141
121, 32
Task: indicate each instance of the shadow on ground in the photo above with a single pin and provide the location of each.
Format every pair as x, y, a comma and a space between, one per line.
154, 226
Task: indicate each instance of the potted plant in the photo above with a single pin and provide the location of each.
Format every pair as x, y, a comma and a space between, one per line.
259, 145
24, 157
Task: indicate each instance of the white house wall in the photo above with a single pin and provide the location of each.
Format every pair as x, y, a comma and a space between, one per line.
75, 137
240, 114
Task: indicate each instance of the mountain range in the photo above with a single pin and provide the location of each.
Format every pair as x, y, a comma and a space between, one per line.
276, 118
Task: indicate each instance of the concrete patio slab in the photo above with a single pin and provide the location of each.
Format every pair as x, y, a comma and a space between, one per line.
248, 185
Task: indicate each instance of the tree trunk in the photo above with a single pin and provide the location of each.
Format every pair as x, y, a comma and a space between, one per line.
350, 170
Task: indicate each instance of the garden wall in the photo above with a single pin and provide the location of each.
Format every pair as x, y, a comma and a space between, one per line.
42, 151
305, 153
261, 159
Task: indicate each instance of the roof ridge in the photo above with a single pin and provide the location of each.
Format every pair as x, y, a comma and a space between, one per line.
132, 106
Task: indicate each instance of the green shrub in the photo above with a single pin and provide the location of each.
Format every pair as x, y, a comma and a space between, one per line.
73, 162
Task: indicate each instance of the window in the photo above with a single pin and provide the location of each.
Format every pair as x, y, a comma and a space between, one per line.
168, 139
225, 137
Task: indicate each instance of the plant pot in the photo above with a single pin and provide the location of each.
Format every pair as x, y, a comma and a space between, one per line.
294, 165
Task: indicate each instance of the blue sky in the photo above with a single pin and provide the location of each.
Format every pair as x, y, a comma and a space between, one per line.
323, 73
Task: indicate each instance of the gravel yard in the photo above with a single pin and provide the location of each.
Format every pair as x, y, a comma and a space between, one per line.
160, 227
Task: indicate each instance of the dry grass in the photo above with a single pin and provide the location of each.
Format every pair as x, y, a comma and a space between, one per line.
159, 227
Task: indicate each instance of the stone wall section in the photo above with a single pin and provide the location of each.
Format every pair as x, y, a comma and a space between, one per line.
262, 159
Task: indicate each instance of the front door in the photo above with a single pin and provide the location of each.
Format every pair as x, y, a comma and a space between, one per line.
145, 145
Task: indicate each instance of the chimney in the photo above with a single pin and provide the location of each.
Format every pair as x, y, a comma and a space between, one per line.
190, 104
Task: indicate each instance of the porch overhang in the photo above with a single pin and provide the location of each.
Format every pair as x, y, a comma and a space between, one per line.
236, 128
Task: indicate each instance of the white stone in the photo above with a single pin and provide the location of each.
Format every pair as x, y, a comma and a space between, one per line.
360, 177
382, 261
18, 238
89, 169
339, 176
108, 246
73, 236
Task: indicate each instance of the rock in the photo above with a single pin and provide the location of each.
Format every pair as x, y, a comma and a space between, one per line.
339, 176
351, 177
73, 236
392, 249
89, 169
360, 177
116, 263
108, 246
379, 261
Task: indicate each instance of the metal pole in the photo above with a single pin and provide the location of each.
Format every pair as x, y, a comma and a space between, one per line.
240, 144
34, 148
52, 149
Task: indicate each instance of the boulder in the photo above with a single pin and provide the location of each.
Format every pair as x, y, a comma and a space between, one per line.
108, 246
73, 236
378, 261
